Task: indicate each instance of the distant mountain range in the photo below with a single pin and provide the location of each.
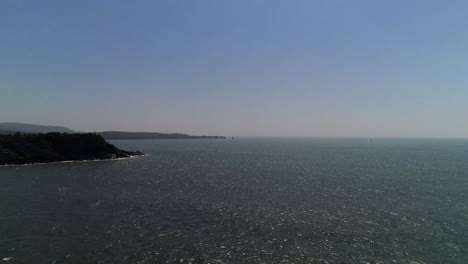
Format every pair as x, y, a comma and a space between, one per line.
149, 135
10, 128
30, 128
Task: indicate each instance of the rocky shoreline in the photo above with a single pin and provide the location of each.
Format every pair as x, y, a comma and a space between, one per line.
19, 149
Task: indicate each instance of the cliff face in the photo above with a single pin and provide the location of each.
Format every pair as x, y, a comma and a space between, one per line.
51, 147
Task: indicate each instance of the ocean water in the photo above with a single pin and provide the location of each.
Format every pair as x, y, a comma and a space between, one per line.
244, 201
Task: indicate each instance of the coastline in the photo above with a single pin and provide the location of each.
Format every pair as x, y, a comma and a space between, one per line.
71, 161
28, 149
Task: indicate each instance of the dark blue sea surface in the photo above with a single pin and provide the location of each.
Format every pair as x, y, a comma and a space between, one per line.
244, 201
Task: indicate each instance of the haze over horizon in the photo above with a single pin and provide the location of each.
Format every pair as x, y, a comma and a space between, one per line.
238, 68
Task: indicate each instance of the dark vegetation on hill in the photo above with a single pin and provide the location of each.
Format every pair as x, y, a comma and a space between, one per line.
5, 132
51, 147
115, 135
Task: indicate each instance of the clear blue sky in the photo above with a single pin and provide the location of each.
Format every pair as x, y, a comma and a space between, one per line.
242, 68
